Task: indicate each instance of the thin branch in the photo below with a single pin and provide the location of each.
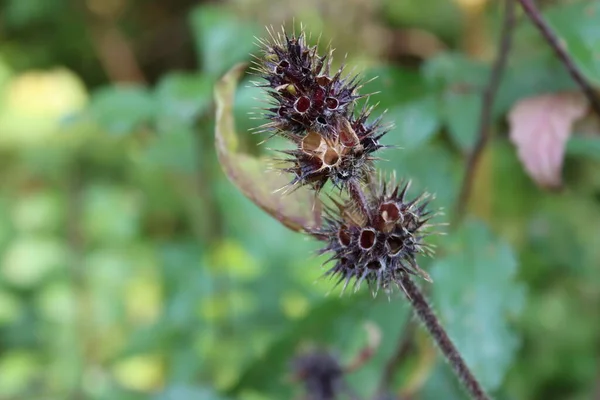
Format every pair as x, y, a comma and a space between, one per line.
425, 313
487, 101
559, 48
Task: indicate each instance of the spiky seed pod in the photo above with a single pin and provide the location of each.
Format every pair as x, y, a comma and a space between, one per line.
305, 96
380, 243
321, 374
314, 110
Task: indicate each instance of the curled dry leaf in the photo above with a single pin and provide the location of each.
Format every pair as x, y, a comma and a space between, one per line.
540, 127
299, 210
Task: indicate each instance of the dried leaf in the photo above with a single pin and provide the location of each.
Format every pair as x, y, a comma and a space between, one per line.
299, 210
540, 127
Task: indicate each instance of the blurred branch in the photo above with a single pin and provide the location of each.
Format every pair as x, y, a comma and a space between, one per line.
559, 48
115, 54
487, 100
405, 342
112, 47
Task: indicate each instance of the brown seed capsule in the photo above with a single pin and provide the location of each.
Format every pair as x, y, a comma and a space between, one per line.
381, 245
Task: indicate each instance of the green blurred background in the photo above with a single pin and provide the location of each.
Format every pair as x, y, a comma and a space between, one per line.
131, 268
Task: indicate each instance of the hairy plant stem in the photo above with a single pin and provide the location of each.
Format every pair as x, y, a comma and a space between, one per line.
487, 101
559, 49
357, 194
425, 313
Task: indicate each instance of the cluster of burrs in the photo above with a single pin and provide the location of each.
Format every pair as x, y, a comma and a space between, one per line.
315, 110
373, 231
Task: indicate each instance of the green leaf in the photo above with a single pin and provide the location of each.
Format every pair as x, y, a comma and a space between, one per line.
187, 392
298, 210
447, 69
441, 18
588, 147
336, 324
221, 39
442, 384
172, 149
433, 168
183, 96
393, 85
414, 123
531, 75
475, 292
578, 25
111, 213
460, 82
462, 113
122, 109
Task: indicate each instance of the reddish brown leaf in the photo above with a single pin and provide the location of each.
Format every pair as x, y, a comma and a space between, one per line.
299, 210
540, 127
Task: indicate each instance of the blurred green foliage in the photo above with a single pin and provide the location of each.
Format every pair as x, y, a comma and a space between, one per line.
131, 268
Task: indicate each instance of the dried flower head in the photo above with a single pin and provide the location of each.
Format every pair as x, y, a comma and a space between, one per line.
379, 242
315, 111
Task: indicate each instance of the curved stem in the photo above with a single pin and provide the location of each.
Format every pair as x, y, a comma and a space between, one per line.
425, 313
487, 101
559, 49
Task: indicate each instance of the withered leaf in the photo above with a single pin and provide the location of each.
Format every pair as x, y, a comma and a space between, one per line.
299, 210
540, 127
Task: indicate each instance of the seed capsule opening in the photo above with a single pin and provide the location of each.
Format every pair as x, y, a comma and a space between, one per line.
332, 103
367, 239
395, 244
344, 237
331, 157
319, 95
302, 105
323, 80
389, 212
311, 142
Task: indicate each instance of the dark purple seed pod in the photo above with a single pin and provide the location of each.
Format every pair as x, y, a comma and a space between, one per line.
297, 77
380, 246
314, 110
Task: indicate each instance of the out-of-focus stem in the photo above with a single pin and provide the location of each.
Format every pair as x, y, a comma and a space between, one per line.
486, 109
536, 17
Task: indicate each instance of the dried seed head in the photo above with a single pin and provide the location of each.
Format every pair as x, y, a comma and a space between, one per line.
380, 246
308, 101
321, 374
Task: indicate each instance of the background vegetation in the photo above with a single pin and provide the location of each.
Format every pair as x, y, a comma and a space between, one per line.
131, 268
